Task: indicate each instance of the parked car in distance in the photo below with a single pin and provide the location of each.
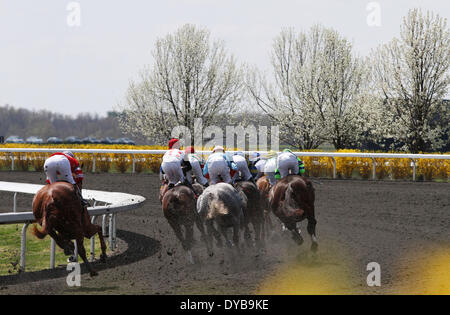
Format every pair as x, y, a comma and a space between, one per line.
124, 141
34, 140
90, 140
73, 140
54, 140
14, 139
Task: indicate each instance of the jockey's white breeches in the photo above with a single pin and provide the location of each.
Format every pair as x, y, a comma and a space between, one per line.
197, 171
287, 164
57, 168
219, 171
173, 171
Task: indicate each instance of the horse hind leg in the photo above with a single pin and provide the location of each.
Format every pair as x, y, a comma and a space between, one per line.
312, 232
82, 253
207, 240
90, 231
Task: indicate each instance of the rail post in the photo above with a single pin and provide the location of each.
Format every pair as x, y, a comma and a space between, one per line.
374, 169
334, 167
93, 162
15, 203
93, 240
134, 163
12, 161
414, 169
52, 253
23, 246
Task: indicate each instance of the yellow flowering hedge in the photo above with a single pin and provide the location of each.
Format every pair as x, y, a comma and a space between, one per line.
346, 167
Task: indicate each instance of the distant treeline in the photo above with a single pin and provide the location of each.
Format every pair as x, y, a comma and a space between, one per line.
44, 124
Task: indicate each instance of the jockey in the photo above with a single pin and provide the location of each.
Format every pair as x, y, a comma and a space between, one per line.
197, 164
289, 163
256, 165
218, 166
243, 173
270, 167
173, 162
62, 166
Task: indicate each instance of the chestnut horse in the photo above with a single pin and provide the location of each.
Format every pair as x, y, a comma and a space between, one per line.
253, 212
264, 187
58, 210
180, 209
292, 200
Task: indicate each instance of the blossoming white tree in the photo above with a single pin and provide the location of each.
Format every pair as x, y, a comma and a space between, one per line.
412, 76
318, 90
191, 77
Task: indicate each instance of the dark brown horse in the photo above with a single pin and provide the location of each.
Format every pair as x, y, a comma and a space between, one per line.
292, 200
253, 212
179, 206
58, 210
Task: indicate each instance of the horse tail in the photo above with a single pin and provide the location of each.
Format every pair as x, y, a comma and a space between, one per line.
45, 228
217, 208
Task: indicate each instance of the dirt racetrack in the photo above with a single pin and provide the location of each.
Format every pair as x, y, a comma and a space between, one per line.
403, 226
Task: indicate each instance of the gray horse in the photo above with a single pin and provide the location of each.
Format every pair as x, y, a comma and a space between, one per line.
221, 207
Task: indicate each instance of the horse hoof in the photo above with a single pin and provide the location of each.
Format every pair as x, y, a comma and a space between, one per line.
94, 273
103, 258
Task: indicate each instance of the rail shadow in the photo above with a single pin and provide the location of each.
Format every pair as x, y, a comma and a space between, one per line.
139, 247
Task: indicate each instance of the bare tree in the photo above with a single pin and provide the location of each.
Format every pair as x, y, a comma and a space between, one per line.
412, 74
317, 91
192, 77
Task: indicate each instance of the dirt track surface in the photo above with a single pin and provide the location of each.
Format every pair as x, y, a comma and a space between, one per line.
395, 224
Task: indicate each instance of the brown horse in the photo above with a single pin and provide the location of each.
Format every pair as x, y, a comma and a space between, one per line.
264, 188
58, 210
180, 209
253, 212
292, 200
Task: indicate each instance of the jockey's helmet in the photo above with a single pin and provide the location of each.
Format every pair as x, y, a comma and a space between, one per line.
287, 150
69, 153
254, 156
174, 143
218, 148
271, 154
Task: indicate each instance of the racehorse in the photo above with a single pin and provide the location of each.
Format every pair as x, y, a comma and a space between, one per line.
222, 205
58, 210
179, 208
253, 213
292, 200
264, 187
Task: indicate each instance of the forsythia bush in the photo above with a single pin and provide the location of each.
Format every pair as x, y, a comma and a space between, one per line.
346, 167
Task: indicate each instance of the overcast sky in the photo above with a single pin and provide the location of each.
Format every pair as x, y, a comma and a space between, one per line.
47, 64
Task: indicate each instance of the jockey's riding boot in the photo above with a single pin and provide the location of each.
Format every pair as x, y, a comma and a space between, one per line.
171, 185
206, 185
84, 203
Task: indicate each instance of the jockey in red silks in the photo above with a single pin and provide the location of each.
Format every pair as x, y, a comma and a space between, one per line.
62, 166
175, 165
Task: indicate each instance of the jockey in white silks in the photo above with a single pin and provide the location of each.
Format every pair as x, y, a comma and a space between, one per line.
243, 173
197, 163
256, 165
172, 161
270, 167
218, 166
289, 163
